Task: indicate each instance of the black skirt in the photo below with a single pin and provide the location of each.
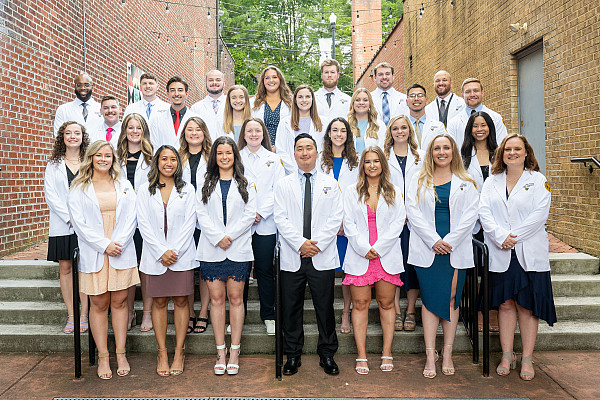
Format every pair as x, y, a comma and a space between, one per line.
409, 276
61, 247
138, 242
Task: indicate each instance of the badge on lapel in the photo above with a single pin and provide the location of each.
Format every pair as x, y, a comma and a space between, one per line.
463, 186
268, 163
528, 185
326, 189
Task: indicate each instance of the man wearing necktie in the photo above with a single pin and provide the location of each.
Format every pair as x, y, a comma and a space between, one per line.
447, 104
109, 127
212, 107
425, 127
331, 101
150, 103
308, 221
83, 109
388, 101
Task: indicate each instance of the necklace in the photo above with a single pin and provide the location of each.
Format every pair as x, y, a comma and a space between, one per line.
73, 161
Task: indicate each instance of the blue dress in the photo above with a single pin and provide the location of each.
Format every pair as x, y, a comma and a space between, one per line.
271, 119
359, 142
436, 281
409, 276
342, 241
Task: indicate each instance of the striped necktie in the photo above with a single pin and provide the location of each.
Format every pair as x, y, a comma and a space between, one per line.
385, 107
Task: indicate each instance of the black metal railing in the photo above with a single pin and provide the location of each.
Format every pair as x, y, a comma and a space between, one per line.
278, 312
588, 162
77, 319
474, 293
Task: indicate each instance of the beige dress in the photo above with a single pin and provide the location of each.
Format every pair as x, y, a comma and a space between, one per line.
108, 279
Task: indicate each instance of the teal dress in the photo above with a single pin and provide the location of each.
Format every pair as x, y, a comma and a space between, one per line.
436, 281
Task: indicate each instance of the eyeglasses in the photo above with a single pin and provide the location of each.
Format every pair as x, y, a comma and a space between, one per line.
413, 95
85, 85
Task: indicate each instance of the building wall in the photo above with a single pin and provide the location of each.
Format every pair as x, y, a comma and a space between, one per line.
473, 39
366, 38
391, 51
41, 47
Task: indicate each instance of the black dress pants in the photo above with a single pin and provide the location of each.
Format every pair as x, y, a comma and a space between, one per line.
321, 285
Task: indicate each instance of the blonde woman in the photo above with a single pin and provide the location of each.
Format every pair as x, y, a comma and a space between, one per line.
102, 209
374, 216
405, 160
273, 99
237, 110
134, 152
441, 204
367, 129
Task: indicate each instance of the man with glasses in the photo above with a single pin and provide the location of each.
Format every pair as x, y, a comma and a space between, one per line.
426, 127
84, 109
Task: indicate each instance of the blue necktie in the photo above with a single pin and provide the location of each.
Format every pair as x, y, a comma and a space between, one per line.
385, 107
148, 110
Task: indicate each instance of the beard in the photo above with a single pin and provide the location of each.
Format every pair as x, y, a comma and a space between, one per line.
442, 92
219, 91
82, 98
332, 85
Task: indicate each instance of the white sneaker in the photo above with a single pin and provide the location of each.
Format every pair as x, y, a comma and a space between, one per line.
229, 329
270, 324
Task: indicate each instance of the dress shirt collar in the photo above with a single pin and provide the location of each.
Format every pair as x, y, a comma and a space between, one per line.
379, 92
421, 120
181, 112
312, 174
468, 109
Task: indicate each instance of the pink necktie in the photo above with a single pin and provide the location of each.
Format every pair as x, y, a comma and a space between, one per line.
109, 132
215, 105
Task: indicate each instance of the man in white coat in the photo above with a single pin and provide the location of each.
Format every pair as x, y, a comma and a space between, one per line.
472, 93
447, 104
212, 107
150, 101
83, 109
109, 127
331, 101
308, 226
388, 101
425, 126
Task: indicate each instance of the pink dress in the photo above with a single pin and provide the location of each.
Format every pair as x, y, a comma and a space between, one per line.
375, 271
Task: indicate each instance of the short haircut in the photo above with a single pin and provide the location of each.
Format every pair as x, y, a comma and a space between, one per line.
470, 80
329, 62
148, 75
416, 86
383, 65
304, 136
107, 98
177, 79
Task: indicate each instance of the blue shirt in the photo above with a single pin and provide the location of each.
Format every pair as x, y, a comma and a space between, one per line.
359, 142
470, 110
421, 122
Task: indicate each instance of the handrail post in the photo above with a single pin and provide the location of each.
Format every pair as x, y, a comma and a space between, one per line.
76, 316
486, 311
278, 313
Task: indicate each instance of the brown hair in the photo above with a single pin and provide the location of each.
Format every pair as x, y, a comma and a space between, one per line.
107, 98
184, 148
86, 170
122, 143
148, 75
329, 62
314, 115
59, 149
531, 163
384, 186
470, 80
389, 140
266, 142
383, 65
261, 91
349, 152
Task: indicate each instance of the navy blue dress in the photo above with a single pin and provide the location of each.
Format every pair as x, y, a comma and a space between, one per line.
409, 276
342, 241
436, 281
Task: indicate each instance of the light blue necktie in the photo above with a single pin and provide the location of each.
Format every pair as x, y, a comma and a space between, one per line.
385, 107
148, 110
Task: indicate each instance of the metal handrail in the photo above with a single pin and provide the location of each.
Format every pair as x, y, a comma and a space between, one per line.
585, 160
278, 312
77, 319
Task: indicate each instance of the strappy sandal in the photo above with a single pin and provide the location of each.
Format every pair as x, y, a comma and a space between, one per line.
144, 327
398, 324
191, 324
447, 370
410, 321
84, 325
200, 328
526, 375
430, 373
512, 360
219, 367
162, 372
69, 326
123, 371
386, 366
362, 370
345, 329
106, 374
178, 371
233, 369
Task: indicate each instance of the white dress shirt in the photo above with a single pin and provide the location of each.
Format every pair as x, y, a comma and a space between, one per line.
98, 131
141, 107
162, 128
73, 111
340, 104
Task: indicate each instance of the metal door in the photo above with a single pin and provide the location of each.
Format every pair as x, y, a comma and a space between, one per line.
530, 77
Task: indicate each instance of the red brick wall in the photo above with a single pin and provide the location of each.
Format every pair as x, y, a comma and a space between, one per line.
41, 47
367, 33
391, 51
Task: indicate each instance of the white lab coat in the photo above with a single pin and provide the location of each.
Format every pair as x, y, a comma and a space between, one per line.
463, 202
340, 104
524, 214
284, 111
457, 125
187, 176
240, 217
412, 167
475, 171
139, 107
73, 111
284, 142
325, 222
396, 101
214, 122
390, 222
456, 106
346, 177
162, 130
369, 141
97, 131
265, 172
181, 220
431, 128
141, 172
56, 192
87, 222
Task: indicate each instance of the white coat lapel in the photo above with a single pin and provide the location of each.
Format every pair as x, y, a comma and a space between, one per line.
456, 186
500, 185
62, 170
90, 192
318, 190
122, 191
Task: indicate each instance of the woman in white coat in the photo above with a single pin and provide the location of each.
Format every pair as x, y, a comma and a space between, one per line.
237, 110
367, 128
303, 119
441, 204
69, 148
102, 209
134, 152
194, 147
339, 160
226, 210
166, 218
405, 160
374, 216
264, 168
272, 101
514, 207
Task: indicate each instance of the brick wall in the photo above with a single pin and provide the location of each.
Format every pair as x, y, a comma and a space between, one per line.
367, 33
473, 39
391, 51
41, 47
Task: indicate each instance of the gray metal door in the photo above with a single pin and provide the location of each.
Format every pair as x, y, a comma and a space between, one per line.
530, 76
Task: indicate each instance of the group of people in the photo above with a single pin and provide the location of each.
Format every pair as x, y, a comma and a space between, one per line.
380, 185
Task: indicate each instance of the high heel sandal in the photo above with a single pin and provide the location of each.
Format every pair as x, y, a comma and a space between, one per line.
512, 359
233, 369
106, 374
410, 321
178, 371
430, 373
69, 326
362, 370
219, 367
386, 366
145, 327
84, 325
162, 372
526, 375
124, 371
447, 370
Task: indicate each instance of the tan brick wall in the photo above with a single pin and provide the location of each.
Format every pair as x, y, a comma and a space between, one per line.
41, 52
367, 33
474, 39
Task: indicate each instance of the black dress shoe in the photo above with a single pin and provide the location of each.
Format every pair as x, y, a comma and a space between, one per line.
329, 366
291, 365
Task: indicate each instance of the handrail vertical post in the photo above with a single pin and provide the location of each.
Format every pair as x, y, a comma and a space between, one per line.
76, 316
278, 313
486, 311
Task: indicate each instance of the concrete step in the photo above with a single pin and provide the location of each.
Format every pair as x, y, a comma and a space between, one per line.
577, 308
574, 264
575, 285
